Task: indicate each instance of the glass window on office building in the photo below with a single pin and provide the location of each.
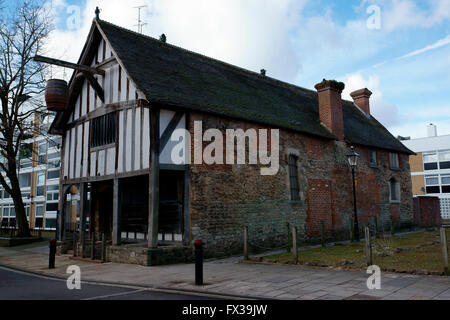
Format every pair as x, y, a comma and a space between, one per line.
8, 216
444, 159
54, 142
445, 182
40, 182
39, 216
53, 193
430, 161
432, 184
25, 180
50, 223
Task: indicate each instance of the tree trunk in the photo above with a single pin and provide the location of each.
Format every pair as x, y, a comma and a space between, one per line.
21, 217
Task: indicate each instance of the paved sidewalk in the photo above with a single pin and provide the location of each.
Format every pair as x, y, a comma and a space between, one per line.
229, 277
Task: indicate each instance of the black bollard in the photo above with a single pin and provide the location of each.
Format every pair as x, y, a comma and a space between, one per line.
198, 244
51, 256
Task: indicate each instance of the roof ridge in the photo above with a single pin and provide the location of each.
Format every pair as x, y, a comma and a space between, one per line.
227, 64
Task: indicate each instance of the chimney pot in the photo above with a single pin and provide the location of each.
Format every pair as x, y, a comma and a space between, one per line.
330, 106
362, 99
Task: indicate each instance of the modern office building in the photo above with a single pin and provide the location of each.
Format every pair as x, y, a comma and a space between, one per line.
430, 167
38, 170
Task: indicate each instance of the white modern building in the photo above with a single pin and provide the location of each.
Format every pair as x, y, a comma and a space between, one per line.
430, 167
38, 177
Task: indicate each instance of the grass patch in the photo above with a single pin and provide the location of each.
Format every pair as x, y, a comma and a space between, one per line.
419, 253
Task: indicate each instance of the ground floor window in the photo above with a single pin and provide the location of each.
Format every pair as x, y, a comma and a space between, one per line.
394, 189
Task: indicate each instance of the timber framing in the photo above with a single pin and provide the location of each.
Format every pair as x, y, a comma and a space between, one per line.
70, 65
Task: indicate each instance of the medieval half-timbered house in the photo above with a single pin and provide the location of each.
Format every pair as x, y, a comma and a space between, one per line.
128, 95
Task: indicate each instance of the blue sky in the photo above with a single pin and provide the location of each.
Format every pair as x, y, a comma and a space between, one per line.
405, 61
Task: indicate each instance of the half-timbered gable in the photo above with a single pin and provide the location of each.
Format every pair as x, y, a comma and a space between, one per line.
109, 136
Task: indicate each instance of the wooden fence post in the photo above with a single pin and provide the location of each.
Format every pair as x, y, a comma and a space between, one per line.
376, 227
294, 243
445, 251
245, 242
368, 246
322, 233
352, 233
392, 226
289, 238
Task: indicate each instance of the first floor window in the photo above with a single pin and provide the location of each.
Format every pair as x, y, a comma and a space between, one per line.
293, 178
394, 189
394, 161
430, 161
103, 130
444, 159
372, 157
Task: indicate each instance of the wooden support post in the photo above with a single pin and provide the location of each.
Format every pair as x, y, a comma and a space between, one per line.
445, 251
75, 243
153, 188
82, 204
92, 245
289, 239
246, 243
294, 243
61, 211
104, 247
117, 233
368, 246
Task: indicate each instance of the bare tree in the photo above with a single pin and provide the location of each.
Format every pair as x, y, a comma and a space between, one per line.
22, 34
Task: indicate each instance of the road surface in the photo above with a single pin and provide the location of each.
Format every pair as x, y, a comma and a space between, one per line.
17, 285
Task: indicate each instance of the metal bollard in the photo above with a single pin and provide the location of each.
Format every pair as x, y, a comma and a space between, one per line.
198, 244
51, 256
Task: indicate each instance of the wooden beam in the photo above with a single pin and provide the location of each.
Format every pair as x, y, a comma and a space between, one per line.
153, 187
169, 130
69, 65
83, 193
95, 85
117, 233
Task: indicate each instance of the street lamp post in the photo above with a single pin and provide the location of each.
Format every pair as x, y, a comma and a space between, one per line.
353, 162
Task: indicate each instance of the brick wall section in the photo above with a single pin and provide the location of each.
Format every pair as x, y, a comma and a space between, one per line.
223, 199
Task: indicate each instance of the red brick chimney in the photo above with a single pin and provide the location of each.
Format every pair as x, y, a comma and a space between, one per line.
362, 99
330, 106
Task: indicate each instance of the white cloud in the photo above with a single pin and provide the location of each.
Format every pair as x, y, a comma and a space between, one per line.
253, 34
436, 45
386, 113
406, 13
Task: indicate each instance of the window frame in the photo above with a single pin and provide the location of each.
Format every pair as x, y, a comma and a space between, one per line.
294, 183
103, 131
373, 164
396, 156
433, 185
396, 193
425, 163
